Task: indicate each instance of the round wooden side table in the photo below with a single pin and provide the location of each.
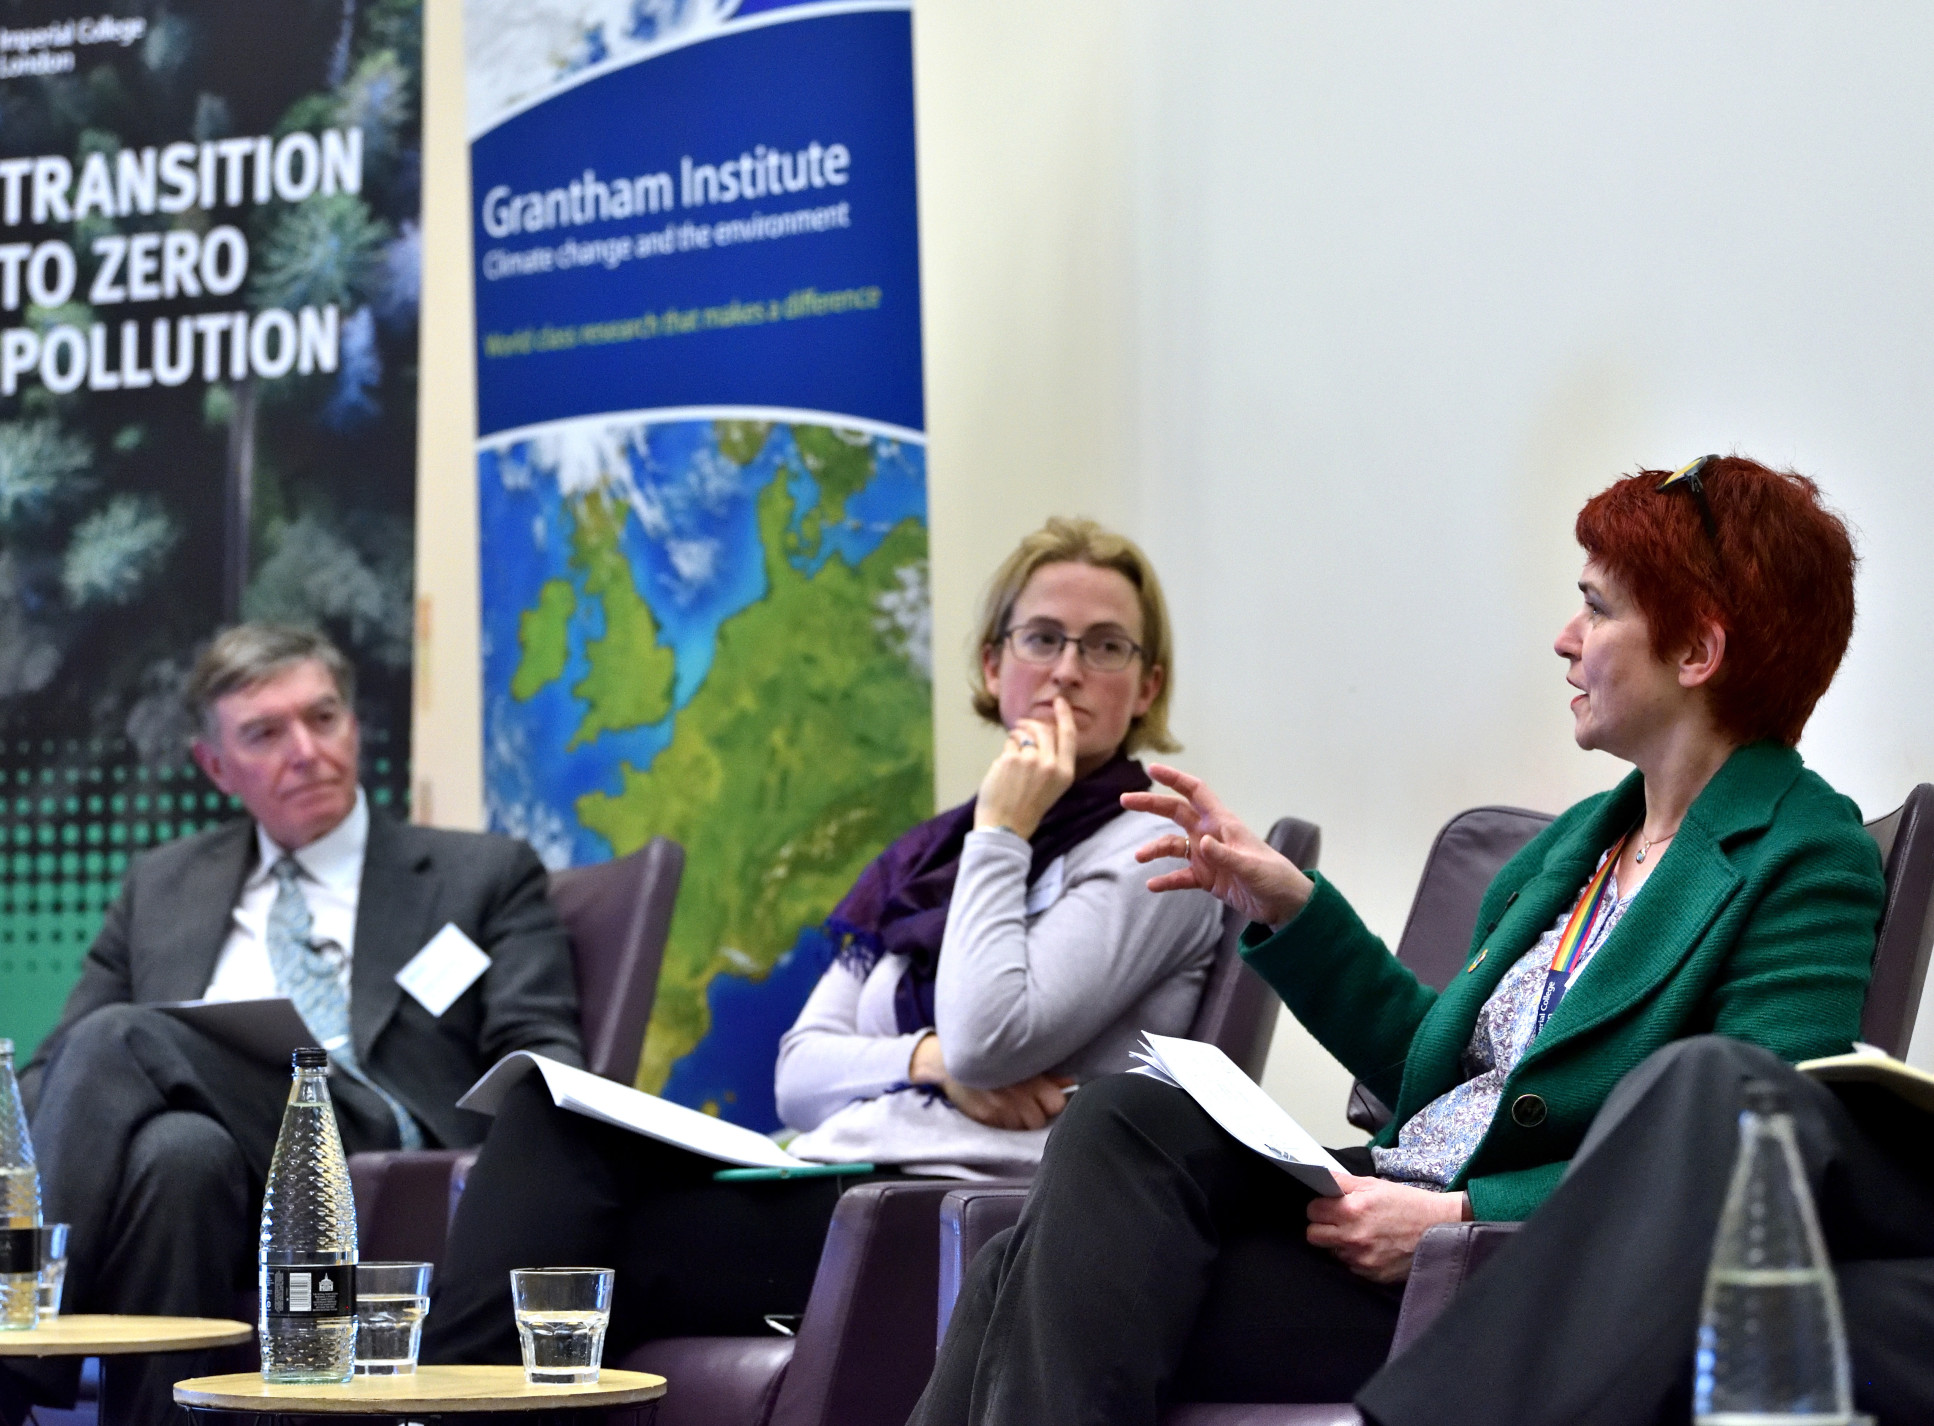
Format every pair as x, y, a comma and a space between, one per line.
429, 1396
89, 1334
110, 1335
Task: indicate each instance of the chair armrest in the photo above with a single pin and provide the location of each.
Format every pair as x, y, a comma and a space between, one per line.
722, 1381
460, 1178
1447, 1255
968, 1218
1257, 1414
402, 1203
865, 1345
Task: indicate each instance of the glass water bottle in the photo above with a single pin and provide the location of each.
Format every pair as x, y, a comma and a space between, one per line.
1772, 1345
19, 1207
307, 1315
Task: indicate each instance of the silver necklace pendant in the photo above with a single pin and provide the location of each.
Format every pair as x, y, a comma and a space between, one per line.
1647, 845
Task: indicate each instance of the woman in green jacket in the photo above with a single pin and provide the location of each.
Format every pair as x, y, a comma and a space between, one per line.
1720, 888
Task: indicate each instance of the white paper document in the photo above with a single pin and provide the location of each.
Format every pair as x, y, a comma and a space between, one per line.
1239, 1105
448, 965
263, 1029
591, 1095
1869, 1064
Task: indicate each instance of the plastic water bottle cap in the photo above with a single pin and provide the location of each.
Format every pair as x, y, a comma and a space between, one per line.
1763, 1097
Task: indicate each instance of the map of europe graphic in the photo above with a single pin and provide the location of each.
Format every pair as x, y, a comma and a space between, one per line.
718, 632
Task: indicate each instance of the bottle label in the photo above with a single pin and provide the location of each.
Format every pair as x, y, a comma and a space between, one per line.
311, 1290
19, 1250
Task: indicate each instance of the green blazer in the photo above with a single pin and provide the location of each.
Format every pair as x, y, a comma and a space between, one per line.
1758, 922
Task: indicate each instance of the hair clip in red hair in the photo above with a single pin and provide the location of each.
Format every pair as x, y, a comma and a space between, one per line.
1690, 477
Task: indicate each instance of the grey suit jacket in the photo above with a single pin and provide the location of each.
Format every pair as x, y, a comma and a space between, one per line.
165, 931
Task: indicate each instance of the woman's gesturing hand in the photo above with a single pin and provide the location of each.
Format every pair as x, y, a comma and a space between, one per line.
1034, 768
1224, 857
1027, 1105
1374, 1227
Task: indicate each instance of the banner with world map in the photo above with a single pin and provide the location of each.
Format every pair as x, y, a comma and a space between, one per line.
702, 477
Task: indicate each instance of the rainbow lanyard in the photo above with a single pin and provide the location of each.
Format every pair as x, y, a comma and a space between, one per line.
1594, 905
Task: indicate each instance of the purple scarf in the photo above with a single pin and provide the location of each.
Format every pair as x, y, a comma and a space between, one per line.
898, 907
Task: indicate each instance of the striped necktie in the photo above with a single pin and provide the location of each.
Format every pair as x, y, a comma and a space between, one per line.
313, 980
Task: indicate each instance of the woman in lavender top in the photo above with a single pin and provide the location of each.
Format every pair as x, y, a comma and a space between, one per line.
988, 961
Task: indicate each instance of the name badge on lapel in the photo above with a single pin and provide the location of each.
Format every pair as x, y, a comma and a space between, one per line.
1047, 889
448, 965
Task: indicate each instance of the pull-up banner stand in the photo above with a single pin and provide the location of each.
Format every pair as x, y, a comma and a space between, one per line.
703, 477
209, 265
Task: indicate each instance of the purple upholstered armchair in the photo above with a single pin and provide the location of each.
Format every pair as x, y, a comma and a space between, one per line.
1468, 852
1449, 1253
618, 915
865, 1346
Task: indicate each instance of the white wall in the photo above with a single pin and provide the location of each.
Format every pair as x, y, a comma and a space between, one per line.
1343, 311
1399, 289
446, 761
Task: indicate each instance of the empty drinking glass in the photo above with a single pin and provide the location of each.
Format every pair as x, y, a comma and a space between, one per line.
391, 1299
53, 1268
561, 1317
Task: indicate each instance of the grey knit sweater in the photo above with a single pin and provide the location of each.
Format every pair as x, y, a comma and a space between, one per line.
1063, 978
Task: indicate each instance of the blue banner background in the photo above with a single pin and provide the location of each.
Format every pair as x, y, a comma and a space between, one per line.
705, 612
832, 79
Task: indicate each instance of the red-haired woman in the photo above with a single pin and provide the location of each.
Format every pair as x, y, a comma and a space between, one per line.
1720, 890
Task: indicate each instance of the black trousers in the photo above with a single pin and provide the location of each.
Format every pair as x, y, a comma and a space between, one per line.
153, 1142
1157, 1259
1115, 1296
694, 1257
1588, 1316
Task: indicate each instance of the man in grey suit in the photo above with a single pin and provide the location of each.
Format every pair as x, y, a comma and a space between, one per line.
154, 1138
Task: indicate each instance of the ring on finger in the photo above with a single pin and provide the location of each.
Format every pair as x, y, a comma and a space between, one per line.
1188, 847
1023, 740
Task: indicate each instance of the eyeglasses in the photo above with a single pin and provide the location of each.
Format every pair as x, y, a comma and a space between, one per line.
1689, 477
1104, 650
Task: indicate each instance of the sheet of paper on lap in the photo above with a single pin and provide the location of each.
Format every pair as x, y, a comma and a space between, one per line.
1869, 1064
595, 1097
267, 1029
1239, 1105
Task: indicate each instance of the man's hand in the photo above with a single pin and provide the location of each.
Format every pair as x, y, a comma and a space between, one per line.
1374, 1227
1027, 1105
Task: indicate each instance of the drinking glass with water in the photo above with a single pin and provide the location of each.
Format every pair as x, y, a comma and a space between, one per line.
391, 1299
561, 1317
53, 1268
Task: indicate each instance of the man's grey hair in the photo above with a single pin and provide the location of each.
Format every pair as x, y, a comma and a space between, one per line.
248, 654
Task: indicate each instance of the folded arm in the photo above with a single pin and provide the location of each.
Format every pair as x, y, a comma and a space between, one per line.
825, 1062
1018, 995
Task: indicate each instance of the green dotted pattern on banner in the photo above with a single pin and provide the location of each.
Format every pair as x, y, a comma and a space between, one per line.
72, 813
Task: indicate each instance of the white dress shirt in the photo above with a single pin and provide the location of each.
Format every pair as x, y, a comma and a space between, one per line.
332, 879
